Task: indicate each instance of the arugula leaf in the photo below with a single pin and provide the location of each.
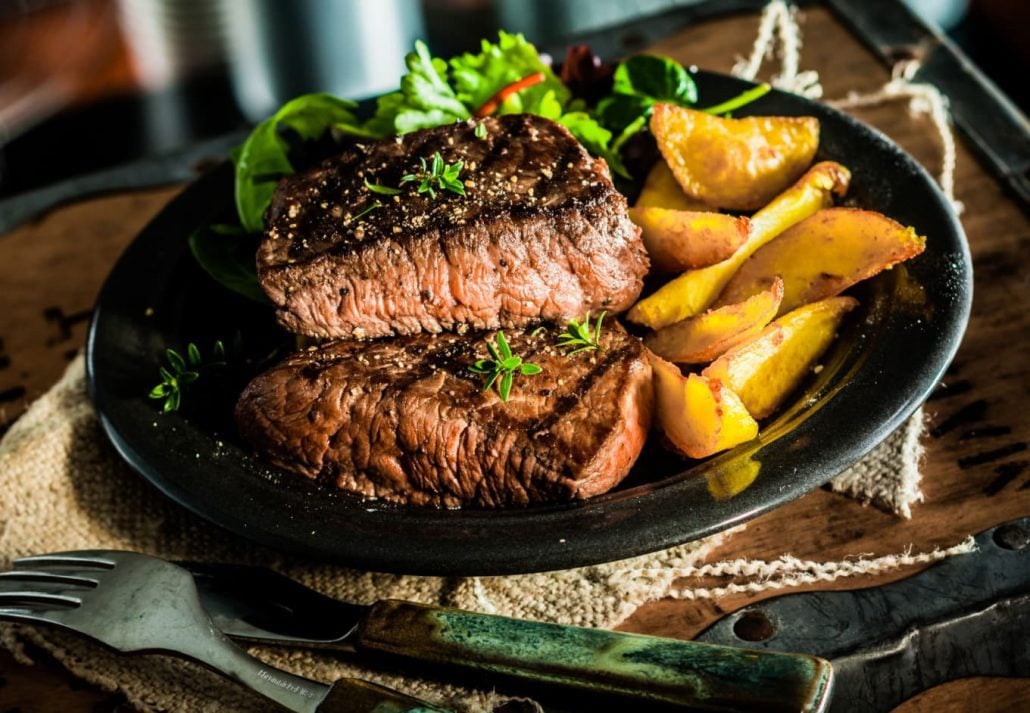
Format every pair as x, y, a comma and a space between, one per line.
478, 77
262, 159
226, 253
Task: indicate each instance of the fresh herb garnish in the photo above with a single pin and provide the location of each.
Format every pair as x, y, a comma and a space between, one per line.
580, 337
383, 190
740, 100
437, 175
366, 211
480, 130
182, 371
502, 365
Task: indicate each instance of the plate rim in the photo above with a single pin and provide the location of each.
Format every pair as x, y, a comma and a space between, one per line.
573, 552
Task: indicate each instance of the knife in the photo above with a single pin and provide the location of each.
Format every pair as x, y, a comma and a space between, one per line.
965, 616
258, 605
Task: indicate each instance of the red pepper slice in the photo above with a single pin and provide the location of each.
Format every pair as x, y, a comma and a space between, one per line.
491, 104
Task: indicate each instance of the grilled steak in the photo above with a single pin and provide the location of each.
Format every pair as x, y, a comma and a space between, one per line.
541, 235
404, 420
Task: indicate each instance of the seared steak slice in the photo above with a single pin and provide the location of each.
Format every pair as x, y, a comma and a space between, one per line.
404, 420
541, 235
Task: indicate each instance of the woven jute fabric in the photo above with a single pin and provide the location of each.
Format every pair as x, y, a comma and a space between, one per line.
62, 487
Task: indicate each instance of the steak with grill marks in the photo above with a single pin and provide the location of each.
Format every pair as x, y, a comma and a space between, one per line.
404, 420
541, 234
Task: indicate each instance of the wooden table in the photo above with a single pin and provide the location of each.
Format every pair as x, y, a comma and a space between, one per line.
975, 472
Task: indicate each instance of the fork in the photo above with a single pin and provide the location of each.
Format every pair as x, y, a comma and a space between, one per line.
135, 603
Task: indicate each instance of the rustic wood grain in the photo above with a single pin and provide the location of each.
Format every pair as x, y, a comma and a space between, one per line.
976, 468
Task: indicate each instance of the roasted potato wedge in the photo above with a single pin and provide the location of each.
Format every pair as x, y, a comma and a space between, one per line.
693, 291
824, 255
661, 190
764, 371
738, 164
678, 240
698, 416
702, 338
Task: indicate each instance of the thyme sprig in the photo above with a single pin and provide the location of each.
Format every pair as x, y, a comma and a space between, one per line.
502, 367
182, 371
437, 175
579, 337
381, 189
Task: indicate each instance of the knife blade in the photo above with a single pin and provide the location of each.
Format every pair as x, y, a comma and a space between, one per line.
257, 605
965, 616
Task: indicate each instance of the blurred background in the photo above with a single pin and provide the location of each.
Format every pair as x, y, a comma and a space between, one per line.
90, 84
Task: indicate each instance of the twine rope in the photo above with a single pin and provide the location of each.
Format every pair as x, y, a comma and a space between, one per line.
780, 35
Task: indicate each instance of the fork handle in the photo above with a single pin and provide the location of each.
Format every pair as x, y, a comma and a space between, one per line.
648, 668
352, 695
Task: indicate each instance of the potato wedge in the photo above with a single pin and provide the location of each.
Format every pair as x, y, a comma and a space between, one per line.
738, 164
693, 291
824, 255
661, 190
764, 371
698, 416
678, 240
702, 338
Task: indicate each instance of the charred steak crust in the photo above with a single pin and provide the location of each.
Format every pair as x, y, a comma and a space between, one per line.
542, 234
405, 421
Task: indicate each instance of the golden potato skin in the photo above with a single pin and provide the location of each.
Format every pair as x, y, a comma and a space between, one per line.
737, 164
702, 338
766, 370
699, 416
823, 255
678, 240
693, 291
662, 190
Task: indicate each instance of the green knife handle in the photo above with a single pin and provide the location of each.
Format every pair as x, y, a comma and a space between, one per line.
668, 671
352, 695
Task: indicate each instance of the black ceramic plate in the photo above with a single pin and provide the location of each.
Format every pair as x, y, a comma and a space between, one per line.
890, 354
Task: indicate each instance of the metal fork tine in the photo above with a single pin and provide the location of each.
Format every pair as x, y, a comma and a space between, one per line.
84, 558
53, 617
37, 596
69, 577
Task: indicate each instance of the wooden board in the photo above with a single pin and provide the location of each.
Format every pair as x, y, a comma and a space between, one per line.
976, 469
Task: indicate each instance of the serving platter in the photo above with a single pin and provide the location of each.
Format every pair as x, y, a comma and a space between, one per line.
889, 355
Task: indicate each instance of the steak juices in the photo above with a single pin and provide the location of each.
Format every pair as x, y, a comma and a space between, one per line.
356, 248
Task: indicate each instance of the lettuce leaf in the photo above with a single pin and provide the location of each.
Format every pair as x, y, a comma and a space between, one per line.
595, 138
477, 77
263, 158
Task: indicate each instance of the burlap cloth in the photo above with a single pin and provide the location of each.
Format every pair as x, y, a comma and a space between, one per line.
63, 487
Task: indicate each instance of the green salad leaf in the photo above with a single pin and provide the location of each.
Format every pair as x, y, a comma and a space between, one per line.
478, 77
595, 138
226, 253
263, 158
638, 83
425, 99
